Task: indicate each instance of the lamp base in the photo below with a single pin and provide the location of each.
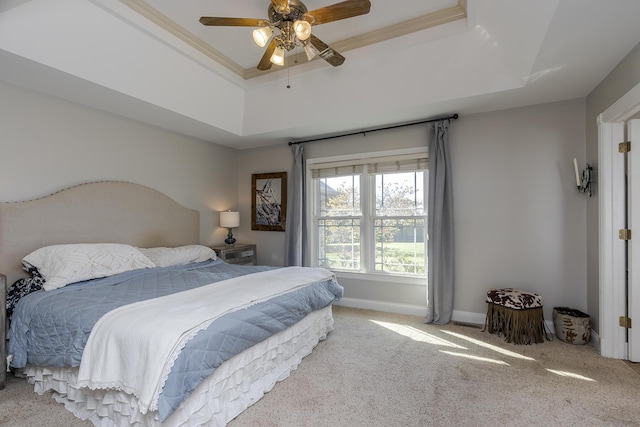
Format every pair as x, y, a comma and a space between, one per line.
230, 241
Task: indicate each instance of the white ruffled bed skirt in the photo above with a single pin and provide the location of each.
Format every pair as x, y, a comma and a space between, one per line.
237, 384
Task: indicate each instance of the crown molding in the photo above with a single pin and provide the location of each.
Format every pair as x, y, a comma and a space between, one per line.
413, 25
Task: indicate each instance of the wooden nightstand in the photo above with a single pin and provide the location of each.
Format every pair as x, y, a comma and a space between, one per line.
240, 253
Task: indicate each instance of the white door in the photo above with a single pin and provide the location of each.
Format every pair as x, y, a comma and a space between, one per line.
633, 267
612, 212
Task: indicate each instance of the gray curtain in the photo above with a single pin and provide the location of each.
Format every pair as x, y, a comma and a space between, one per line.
296, 226
440, 227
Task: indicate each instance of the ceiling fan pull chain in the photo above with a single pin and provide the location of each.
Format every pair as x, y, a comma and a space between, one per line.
295, 61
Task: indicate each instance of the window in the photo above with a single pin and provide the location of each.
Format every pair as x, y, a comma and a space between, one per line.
339, 219
371, 217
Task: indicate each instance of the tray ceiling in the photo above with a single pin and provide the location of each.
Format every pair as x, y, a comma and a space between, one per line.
152, 61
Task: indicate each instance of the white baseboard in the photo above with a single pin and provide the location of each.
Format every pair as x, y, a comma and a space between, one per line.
479, 319
408, 309
468, 317
416, 310
389, 307
595, 340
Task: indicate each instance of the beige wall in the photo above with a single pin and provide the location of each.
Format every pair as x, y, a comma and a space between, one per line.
518, 219
48, 143
277, 158
619, 81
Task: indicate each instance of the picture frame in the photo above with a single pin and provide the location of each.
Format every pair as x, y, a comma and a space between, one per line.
269, 201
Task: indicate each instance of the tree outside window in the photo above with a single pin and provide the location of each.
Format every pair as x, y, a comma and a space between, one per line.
396, 222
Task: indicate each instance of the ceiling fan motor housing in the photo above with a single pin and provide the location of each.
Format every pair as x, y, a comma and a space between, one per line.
284, 21
297, 10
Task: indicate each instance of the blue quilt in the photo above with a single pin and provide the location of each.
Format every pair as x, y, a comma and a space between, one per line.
51, 328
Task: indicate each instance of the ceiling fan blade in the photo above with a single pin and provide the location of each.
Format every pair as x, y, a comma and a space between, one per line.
281, 6
265, 62
342, 10
326, 52
231, 22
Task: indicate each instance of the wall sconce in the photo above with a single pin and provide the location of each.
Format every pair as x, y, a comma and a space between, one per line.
583, 181
229, 220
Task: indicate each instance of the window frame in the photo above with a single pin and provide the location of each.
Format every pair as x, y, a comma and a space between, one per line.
367, 201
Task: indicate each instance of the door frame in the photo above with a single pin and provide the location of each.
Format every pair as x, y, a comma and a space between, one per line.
611, 211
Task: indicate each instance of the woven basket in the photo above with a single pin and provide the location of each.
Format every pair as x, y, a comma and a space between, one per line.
572, 326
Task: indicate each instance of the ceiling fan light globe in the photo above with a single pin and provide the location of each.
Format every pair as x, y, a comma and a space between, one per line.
311, 51
302, 29
262, 35
278, 56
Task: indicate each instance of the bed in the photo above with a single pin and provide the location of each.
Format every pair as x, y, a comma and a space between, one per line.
210, 338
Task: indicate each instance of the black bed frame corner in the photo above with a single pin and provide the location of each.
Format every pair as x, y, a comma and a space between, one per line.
3, 329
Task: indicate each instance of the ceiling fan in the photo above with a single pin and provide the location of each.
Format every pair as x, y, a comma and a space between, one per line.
293, 21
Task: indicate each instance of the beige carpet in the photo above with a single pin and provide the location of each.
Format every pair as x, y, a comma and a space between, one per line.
391, 370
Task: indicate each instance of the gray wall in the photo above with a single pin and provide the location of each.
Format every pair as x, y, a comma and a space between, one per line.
518, 219
269, 244
48, 144
620, 80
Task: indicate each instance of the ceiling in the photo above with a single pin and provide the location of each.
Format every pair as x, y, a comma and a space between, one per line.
406, 60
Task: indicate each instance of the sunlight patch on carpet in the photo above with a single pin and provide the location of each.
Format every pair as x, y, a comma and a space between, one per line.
416, 334
478, 358
489, 346
570, 375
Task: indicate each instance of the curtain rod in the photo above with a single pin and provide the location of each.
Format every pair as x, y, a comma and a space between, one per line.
450, 117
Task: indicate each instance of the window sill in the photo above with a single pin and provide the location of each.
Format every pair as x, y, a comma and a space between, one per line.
382, 277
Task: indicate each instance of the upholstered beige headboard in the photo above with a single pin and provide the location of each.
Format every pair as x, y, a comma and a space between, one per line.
107, 212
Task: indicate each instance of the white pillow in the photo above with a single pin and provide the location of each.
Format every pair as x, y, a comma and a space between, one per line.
166, 257
64, 264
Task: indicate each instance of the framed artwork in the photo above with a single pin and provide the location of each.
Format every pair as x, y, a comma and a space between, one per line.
269, 201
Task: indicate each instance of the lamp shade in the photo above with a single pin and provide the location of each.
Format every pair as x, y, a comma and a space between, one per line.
278, 56
311, 51
302, 29
262, 35
229, 219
